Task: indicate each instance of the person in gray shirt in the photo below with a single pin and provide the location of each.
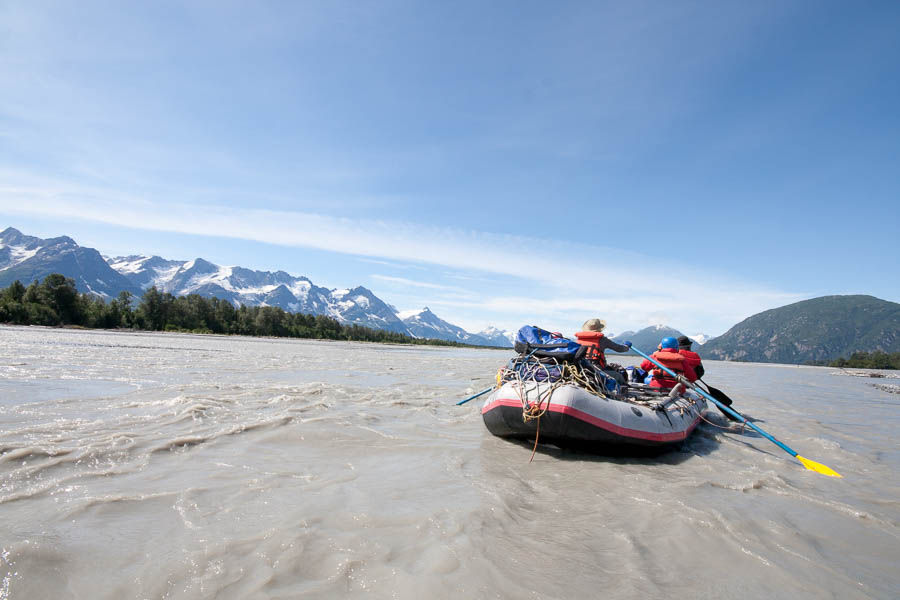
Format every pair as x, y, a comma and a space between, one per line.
591, 335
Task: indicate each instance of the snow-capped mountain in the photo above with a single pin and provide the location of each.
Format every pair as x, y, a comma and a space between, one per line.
498, 337
26, 258
144, 271
235, 284
700, 338
264, 288
295, 294
425, 324
361, 306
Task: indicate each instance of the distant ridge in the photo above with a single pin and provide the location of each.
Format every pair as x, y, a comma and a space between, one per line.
26, 258
424, 323
821, 329
812, 331
647, 339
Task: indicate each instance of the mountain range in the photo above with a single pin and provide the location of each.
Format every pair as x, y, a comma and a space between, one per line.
816, 330
27, 258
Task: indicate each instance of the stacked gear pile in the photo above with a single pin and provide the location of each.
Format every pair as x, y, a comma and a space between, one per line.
550, 390
548, 357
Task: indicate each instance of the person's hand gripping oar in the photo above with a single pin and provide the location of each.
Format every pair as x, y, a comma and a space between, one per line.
809, 464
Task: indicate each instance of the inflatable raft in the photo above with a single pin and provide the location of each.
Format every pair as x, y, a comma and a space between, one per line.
569, 415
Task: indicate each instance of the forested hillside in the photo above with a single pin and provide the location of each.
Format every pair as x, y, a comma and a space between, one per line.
812, 331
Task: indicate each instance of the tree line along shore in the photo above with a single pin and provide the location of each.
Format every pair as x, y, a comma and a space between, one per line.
869, 360
56, 302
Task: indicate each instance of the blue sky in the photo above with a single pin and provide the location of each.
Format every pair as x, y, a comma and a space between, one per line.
504, 163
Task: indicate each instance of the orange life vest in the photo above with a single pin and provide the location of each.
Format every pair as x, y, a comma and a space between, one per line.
591, 339
670, 359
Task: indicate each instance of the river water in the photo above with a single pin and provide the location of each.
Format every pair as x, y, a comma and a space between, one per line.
138, 465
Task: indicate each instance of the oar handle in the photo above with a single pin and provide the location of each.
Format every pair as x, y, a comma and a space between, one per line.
724, 408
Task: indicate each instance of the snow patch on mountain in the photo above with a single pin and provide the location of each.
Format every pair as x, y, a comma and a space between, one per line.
161, 274
16, 248
19, 254
408, 314
300, 289
125, 265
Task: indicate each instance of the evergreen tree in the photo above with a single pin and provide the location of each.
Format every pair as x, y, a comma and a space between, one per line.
32, 293
154, 309
60, 295
124, 303
15, 292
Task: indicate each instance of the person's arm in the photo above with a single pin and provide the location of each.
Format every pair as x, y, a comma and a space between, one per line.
605, 342
689, 371
695, 361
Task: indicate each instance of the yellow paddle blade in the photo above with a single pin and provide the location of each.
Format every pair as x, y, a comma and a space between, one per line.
818, 468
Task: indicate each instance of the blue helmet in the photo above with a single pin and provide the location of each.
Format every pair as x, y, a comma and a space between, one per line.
669, 343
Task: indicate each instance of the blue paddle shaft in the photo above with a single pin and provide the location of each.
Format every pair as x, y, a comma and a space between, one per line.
481, 393
736, 414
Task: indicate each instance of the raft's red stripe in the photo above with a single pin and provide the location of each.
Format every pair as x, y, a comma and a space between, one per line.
597, 422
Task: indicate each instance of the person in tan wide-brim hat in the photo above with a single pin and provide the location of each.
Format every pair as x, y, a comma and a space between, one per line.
594, 325
591, 335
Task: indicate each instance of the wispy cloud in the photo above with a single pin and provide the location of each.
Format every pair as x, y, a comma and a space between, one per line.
392, 264
553, 263
558, 278
413, 283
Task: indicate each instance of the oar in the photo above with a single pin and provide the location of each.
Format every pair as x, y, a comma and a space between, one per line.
486, 390
718, 394
481, 393
809, 464
721, 397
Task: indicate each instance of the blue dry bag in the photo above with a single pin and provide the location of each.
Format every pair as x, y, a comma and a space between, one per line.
545, 344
